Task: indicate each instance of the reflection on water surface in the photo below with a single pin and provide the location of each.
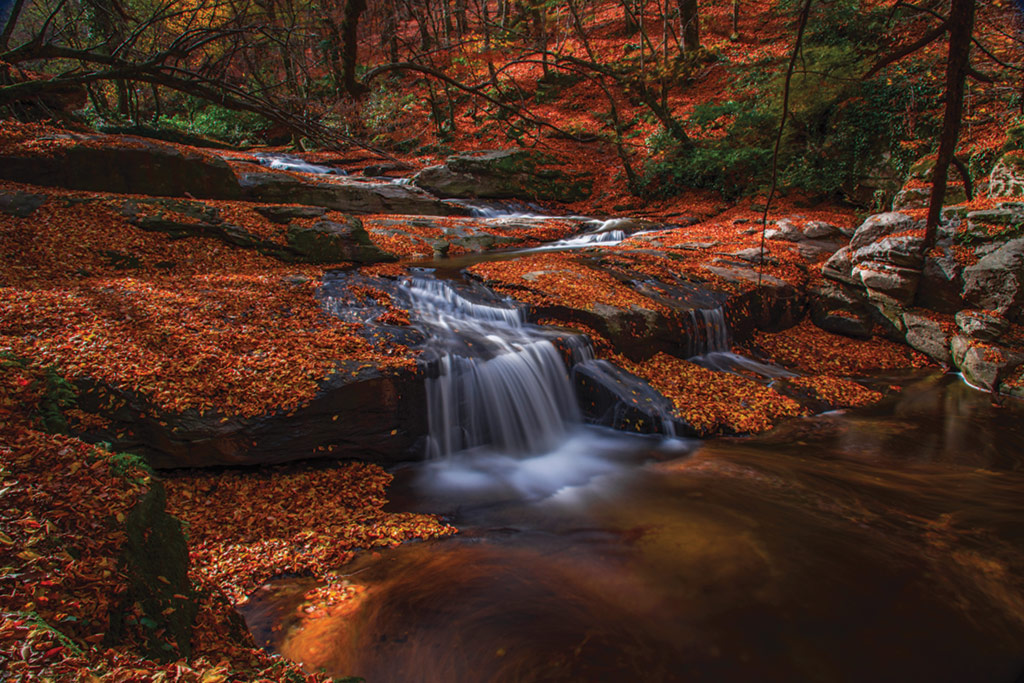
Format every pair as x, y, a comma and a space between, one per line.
881, 545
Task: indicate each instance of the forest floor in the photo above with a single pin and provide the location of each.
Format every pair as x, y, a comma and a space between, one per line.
200, 325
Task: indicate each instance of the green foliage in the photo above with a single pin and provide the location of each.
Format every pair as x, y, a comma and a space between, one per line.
219, 123
41, 624
58, 394
55, 394
842, 135
384, 106
1015, 135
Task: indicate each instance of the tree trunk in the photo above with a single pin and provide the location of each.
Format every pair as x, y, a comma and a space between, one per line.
350, 46
961, 26
7, 22
689, 26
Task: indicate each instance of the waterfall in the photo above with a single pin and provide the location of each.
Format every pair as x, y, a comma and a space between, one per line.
492, 380
710, 331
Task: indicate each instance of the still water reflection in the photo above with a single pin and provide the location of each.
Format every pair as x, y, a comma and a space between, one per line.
880, 545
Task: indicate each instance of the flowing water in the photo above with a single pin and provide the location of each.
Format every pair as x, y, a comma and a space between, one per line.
286, 162
885, 544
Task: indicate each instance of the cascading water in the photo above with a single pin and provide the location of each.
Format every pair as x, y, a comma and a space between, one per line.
711, 332
710, 344
285, 162
493, 380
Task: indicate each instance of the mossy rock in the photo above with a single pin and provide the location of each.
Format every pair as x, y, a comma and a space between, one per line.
922, 169
1007, 178
155, 559
505, 174
333, 241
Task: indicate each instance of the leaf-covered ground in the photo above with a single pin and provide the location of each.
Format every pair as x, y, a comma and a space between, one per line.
65, 585
190, 323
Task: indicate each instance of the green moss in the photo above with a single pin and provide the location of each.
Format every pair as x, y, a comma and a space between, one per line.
160, 602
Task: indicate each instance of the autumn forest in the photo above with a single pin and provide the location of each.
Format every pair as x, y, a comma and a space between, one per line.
511, 340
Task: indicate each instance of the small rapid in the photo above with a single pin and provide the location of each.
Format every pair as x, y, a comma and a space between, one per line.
492, 380
286, 162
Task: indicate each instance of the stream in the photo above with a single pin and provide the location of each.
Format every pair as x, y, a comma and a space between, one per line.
881, 544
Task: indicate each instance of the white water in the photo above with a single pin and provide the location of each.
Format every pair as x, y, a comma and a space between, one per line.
589, 239
285, 162
494, 381
711, 331
485, 210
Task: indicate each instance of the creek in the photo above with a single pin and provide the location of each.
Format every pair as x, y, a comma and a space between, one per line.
880, 544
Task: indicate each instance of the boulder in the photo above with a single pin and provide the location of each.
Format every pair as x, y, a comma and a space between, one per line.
753, 255
817, 230
1007, 177
941, 282
286, 214
348, 195
839, 267
996, 282
906, 252
1005, 215
840, 309
921, 197
611, 397
784, 230
121, 165
359, 412
879, 225
324, 242
928, 337
333, 241
887, 318
504, 174
20, 204
888, 283
981, 325
984, 365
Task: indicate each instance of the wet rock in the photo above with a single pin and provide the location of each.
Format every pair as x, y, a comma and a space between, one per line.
20, 204
611, 397
350, 196
981, 325
928, 337
941, 282
983, 364
996, 282
879, 225
504, 174
358, 413
122, 165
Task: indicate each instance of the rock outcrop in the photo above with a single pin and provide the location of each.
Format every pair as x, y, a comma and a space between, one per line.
359, 412
343, 194
504, 174
119, 164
